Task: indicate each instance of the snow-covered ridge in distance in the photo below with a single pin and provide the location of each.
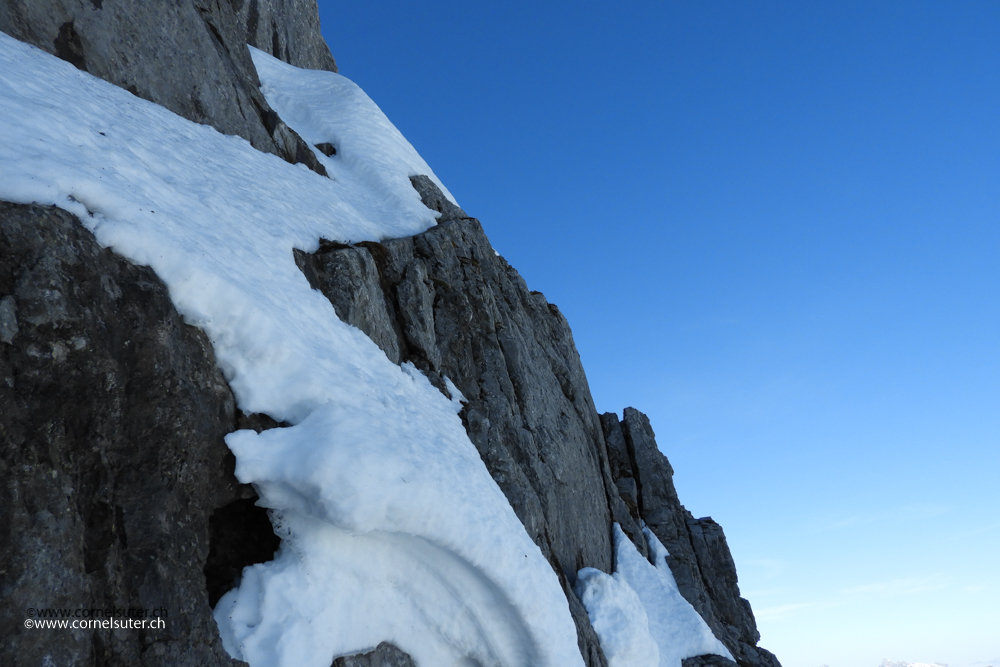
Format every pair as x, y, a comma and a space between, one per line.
392, 527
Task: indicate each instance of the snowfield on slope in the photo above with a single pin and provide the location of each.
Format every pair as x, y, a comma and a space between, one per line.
392, 528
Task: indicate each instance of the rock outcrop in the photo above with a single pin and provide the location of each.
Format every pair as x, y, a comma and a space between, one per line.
189, 56
118, 487
699, 558
384, 655
446, 302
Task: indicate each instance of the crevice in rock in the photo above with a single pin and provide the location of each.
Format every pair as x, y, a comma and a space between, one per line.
275, 42
630, 445
99, 535
327, 149
220, 44
257, 421
69, 47
240, 534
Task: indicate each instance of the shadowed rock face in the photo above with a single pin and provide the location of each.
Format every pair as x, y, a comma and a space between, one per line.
112, 417
189, 56
287, 29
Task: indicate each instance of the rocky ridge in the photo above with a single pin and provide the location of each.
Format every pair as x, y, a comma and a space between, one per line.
116, 476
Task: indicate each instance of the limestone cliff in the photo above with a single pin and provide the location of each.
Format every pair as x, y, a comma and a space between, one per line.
118, 489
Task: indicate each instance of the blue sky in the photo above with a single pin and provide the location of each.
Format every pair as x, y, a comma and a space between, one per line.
774, 229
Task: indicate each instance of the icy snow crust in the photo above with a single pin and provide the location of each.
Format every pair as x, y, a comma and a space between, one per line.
392, 527
639, 614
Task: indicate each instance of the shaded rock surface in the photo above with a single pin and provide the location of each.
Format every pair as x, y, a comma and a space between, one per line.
286, 29
189, 56
707, 661
111, 451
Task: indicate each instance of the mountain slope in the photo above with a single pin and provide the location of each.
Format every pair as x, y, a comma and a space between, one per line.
513, 376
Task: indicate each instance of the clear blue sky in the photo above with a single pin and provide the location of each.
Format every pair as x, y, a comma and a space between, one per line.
775, 228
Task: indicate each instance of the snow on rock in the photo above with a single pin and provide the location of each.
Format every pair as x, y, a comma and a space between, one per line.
647, 592
618, 618
392, 528
327, 108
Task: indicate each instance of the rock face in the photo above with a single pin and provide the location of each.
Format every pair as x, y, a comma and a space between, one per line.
117, 486
189, 56
384, 655
111, 451
287, 29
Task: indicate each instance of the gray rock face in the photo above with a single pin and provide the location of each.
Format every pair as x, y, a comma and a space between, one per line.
287, 29
699, 555
8, 319
189, 56
707, 661
446, 302
112, 414
435, 200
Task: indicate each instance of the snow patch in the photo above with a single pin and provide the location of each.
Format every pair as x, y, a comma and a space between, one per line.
327, 108
618, 618
640, 605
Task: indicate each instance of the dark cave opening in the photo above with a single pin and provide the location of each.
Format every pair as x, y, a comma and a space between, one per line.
240, 534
